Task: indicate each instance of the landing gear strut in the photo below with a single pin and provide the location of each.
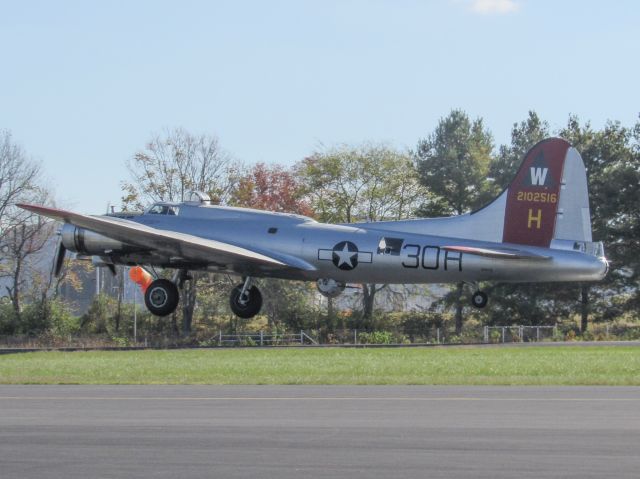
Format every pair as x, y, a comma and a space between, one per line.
161, 297
245, 300
479, 299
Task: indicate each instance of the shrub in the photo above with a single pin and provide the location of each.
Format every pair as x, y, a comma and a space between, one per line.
99, 316
208, 343
587, 336
376, 337
120, 342
61, 322
7, 319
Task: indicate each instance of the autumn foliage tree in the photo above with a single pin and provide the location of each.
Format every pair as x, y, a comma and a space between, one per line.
277, 188
271, 188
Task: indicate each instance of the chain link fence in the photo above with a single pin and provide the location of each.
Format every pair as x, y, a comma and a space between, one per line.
471, 334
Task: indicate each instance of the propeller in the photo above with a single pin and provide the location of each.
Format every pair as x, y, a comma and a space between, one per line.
112, 267
59, 259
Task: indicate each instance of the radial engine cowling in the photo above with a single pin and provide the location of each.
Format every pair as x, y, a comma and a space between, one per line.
80, 240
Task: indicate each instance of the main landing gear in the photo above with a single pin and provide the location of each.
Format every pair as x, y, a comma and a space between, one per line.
161, 297
245, 300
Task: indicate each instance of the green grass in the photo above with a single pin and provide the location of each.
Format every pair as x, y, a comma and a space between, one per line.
518, 366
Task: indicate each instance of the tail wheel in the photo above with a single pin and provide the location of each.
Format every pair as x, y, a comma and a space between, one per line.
248, 305
161, 297
479, 299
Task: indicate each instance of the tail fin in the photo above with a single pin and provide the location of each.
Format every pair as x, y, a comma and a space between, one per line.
546, 201
548, 198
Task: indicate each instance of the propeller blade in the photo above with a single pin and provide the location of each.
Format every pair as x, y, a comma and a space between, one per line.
112, 268
59, 261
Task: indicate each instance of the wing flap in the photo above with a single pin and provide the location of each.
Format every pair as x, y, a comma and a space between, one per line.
498, 253
182, 245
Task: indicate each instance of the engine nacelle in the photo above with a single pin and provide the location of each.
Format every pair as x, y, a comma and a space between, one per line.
330, 288
86, 242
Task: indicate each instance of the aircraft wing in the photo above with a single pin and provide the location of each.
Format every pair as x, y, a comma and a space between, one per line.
185, 247
498, 253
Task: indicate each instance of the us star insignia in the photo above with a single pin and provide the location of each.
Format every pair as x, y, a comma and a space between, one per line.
345, 255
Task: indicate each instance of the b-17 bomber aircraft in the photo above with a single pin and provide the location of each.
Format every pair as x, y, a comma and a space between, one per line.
537, 230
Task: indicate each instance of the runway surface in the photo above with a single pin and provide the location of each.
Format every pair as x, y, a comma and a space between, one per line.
302, 432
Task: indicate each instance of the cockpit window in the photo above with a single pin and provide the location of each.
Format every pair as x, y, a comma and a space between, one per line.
163, 210
156, 210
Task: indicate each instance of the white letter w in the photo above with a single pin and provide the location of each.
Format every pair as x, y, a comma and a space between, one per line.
538, 176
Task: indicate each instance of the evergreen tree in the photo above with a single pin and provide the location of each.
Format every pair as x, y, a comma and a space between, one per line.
524, 135
453, 163
612, 158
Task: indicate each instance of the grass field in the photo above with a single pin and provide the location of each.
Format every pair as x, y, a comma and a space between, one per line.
516, 366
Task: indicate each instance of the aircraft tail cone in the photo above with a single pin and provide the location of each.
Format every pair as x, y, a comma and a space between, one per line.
141, 277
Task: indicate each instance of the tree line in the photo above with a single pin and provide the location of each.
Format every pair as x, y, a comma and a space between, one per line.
452, 170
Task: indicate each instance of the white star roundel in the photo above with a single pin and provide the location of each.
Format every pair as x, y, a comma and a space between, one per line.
345, 255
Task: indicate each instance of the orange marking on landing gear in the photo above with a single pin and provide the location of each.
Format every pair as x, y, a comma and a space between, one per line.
141, 277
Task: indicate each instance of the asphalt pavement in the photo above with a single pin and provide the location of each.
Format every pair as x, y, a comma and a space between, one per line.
324, 431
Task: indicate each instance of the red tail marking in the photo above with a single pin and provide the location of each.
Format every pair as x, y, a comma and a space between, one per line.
532, 200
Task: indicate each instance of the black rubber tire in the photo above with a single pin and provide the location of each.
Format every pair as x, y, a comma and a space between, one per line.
161, 297
251, 307
479, 299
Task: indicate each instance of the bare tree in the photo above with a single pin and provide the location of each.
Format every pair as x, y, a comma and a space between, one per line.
18, 178
176, 162
22, 243
171, 165
22, 234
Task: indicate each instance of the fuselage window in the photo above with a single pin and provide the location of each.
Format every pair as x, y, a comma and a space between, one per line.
391, 246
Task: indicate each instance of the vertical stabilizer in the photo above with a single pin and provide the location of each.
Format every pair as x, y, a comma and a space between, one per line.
534, 195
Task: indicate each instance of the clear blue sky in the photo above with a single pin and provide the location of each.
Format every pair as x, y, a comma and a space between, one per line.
83, 85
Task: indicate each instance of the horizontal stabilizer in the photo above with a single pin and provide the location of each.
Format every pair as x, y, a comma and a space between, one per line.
497, 253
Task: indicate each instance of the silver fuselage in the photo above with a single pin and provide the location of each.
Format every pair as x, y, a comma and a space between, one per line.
368, 252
